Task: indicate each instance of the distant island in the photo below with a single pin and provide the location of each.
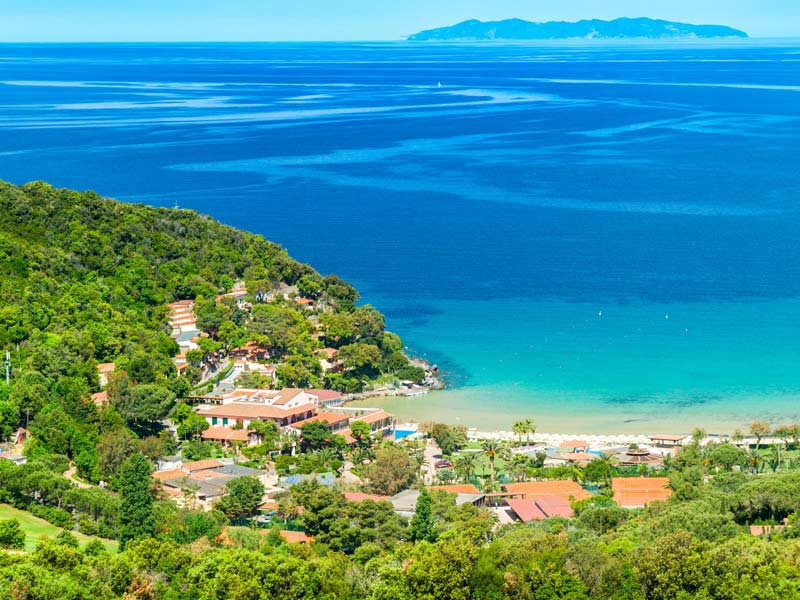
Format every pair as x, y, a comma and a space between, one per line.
519, 29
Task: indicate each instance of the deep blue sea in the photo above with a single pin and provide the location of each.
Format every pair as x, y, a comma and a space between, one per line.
602, 237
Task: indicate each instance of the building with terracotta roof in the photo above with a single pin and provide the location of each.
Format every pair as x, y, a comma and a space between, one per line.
244, 413
227, 435
169, 474
337, 422
100, 399
199, 465
327, 397
575, 444
634, 457
379, 421
405, 503
250, 351
665, 440
636, 492
295, 537
539, 508
579, 458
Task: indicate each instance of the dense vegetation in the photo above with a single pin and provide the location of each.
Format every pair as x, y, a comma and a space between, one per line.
86, 280
696, 545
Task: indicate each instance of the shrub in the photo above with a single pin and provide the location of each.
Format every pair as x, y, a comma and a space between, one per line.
57, 516
11, 535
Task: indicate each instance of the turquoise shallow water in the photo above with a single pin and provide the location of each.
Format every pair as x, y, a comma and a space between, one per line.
612, 368
492, 218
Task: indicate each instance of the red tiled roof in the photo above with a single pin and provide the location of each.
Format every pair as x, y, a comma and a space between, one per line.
331, 417
554, 506
286, 395
225, 434
295, 537
574, 444
170, 474
244, 410
106, 367
526, 510
199, 465
373, 417
579, 457
179, 303
100, 398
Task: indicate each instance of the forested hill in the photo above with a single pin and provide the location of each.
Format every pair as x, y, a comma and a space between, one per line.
519, 29
86, 280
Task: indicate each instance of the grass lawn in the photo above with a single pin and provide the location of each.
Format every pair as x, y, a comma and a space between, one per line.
34, 528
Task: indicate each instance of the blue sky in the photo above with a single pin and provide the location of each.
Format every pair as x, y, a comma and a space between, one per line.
165, 20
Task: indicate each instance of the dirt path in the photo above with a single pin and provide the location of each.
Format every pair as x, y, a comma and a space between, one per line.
70, 474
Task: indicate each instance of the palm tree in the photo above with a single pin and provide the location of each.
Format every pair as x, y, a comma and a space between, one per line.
526, 427
466, 465
327, 456
492, 449
754, 460
359, 456
530, 429
519, 466
519, 429
609, 461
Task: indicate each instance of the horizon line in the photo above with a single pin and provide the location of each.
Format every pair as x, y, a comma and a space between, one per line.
403, 39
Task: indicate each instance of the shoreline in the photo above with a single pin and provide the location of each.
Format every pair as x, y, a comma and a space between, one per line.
557, 415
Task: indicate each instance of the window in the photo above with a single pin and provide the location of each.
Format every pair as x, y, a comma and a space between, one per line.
213, 420
225, 420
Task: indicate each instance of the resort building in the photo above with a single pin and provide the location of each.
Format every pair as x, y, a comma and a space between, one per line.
405, 503
538, 509
202, 480
251, 351
579, 458
327, 398
238, 294
670, 441
229, 415
242, 366
241, 414
337, 422
634, 457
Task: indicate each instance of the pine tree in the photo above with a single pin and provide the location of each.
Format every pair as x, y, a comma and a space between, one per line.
136, 508
423, 523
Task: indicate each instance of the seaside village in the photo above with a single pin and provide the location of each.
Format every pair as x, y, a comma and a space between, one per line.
519, 476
